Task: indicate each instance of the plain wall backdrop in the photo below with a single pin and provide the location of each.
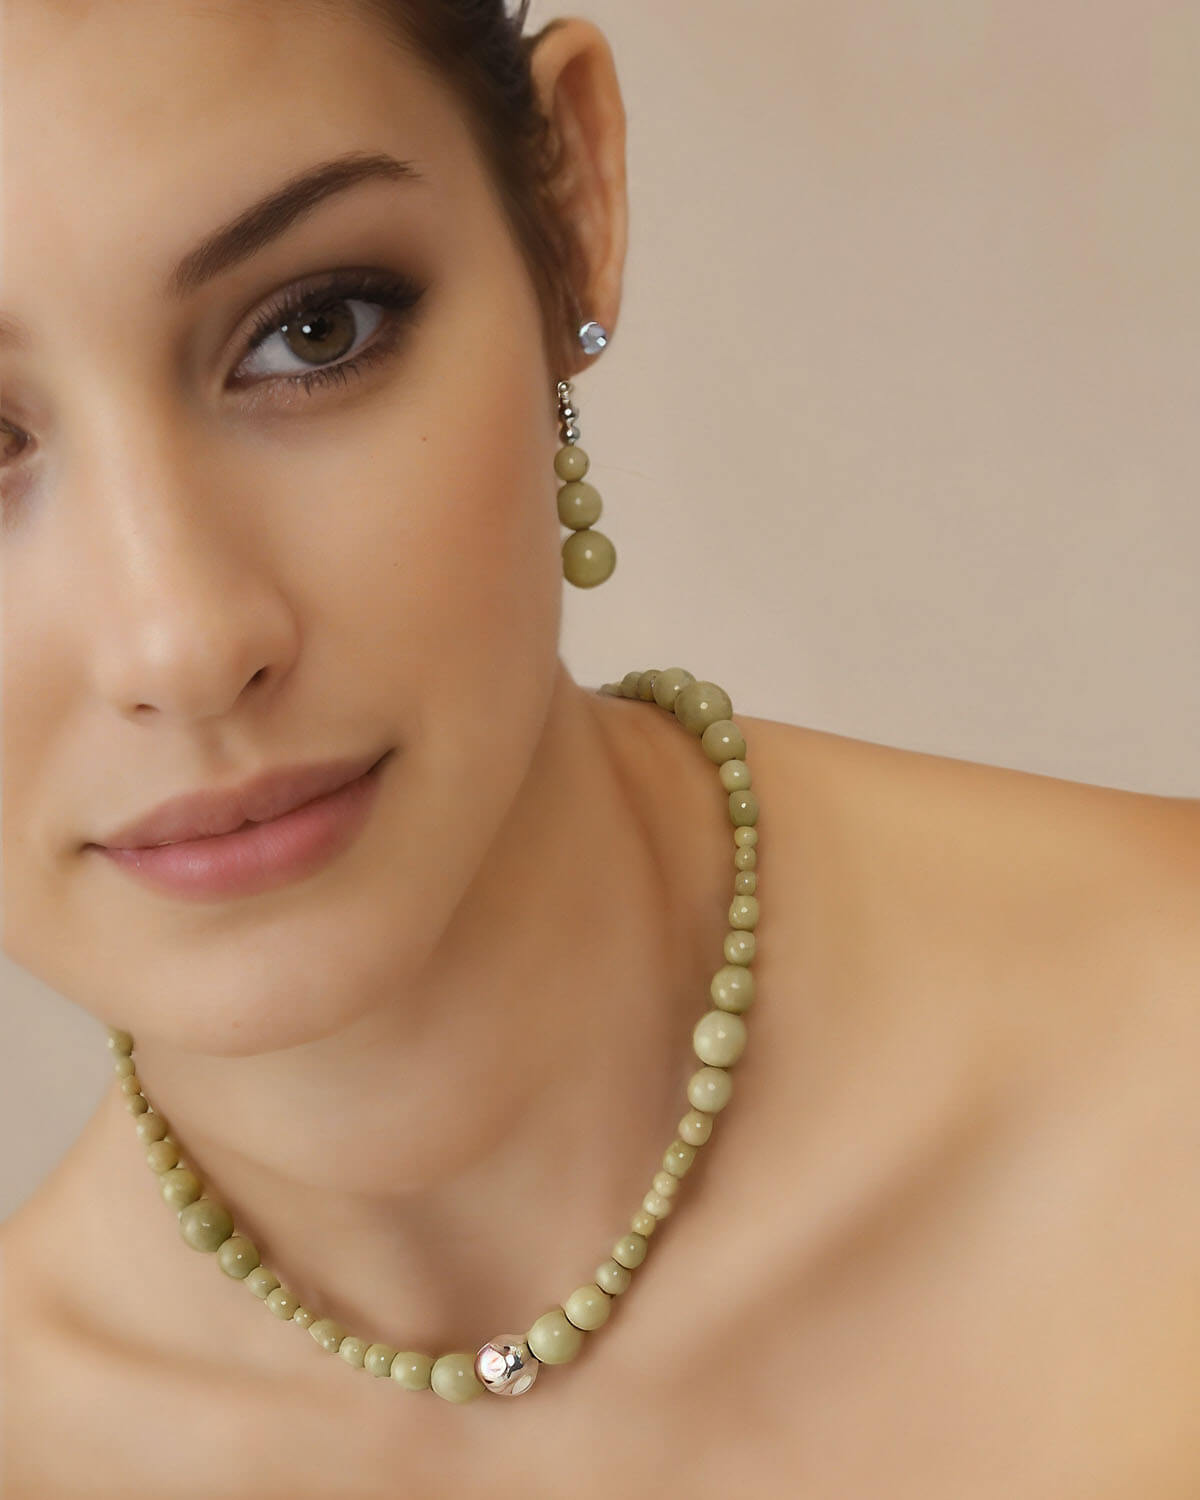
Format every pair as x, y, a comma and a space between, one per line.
896, 434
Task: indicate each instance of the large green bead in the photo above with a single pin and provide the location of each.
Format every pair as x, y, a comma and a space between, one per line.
571, 462
179, 1187
588, 1307
205, 1224
589, 557
667, 686
412, 1369
699, 704
723, 741
732, 988
579, 504
453, 1377
719, 1039
553, 1338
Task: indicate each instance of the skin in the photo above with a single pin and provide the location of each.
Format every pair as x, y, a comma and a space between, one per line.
398, 1070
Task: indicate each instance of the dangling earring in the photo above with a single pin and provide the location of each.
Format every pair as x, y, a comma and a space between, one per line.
589, 557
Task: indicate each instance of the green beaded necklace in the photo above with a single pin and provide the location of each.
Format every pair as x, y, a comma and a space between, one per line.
509, 1365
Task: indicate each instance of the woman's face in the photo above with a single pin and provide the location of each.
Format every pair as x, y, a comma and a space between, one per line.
218, 560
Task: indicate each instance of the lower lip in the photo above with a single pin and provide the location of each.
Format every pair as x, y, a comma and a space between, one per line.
262, 856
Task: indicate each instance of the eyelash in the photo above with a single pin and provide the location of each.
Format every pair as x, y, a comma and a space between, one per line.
397, 293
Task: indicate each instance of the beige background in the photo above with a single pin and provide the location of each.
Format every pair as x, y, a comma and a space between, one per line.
897, 436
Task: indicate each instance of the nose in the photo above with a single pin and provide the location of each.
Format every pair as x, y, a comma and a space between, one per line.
191, 611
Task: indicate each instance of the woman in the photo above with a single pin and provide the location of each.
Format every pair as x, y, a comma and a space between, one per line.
283, 446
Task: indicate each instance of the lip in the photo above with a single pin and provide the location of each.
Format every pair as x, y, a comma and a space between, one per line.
307, 829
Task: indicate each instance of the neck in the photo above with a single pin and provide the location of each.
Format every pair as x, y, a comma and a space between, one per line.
462, 1155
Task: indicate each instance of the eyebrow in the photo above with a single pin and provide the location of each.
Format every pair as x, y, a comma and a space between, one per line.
264, 221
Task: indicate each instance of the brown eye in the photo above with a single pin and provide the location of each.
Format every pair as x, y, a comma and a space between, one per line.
324, 334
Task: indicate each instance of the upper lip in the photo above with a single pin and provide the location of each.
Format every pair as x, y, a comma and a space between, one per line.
209, 813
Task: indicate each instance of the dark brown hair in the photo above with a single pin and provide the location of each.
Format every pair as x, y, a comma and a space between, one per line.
479, 49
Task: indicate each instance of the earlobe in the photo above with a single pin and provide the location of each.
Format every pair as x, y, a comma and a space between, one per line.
575, 75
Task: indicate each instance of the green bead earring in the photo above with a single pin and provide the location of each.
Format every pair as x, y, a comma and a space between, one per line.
588, 556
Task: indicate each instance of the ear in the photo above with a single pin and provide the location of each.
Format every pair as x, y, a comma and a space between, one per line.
576, 80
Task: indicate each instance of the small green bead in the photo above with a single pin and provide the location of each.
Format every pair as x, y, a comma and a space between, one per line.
303, 1315
699, 704
119, 1041
571, 462
745, 882
378, 1359
743, 808
613, 1278
151, 1127
453, 1377
646, 685
695, 1127
657, 1204
740, 947
179, 1187
719, 1039
328, 1333
124, 1065
137, 1104
665, 1184
283, 1303
238, 1256
733, 988
745, 838
745, 859
678, 1158
743, 913
723, 741
735, 776
261, 1282
589, 557
553, 1338
630, 1250
579, 505
161, 1156
643, 1223
353, 1350
205, 1224
588, 1307
631, 684
710, 1089
667, 685
130, 1084
412, 1369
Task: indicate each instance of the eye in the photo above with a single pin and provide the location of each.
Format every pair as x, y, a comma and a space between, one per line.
309, 336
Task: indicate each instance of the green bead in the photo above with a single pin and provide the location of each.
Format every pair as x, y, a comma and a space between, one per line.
643, 1223
283, 1303
646, 685
553, 1338
303, 1315
151, 1127
353, 1350
745, 859
695, 1128
261, 1282
631, 684
378, 1359
579, 505
179, 1187
571, 462
124, 1065
743, 808
237, 1256
137, 1104
412, 1370
732, 988
161, 1156
740, 947
678, 1158
327, 1332
630, 1250
588, 1307
723, 741
205, 1224
719, 1039
699, 704
453, 1377
613, 1278
589, 557
745, 838
745, 882
130, 1084
710, 1089
119, 1041
735, 776
743, 913
667, 685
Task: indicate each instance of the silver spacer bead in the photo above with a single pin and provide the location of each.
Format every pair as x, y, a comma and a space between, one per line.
570, 434
506, 1365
